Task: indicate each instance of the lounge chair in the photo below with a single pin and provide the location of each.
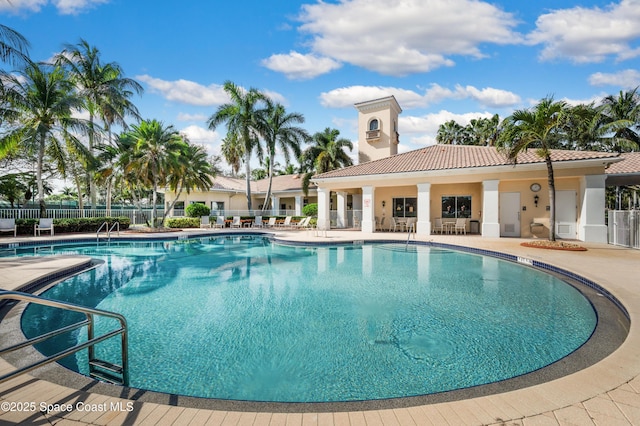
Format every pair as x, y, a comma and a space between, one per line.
219, 222
237, 223
287, 222
258, 222
205, 222
9, 225
43, 225
303, 224
272, 222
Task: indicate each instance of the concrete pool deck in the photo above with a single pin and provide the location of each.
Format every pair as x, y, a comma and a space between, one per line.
605, 393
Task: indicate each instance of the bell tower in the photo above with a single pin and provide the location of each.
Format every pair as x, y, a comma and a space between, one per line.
378, 135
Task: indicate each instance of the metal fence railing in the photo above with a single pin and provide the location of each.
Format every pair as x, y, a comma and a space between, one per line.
624, 228
136, 216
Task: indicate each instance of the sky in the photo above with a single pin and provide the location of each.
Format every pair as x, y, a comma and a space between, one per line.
442, 59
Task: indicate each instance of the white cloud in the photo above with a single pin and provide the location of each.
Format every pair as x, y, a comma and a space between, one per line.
296, 66
186, 91
399, 37
627, 79
192, 117
589, 35
199, 135
408, 99
65, 7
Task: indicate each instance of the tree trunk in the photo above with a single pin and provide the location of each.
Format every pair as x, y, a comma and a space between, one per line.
267, 198
552, 199
43, 207
92, 185
247, 168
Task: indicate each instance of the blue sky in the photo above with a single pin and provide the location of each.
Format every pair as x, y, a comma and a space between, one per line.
441, 59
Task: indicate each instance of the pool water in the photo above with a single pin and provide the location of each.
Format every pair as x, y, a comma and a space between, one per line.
244, 318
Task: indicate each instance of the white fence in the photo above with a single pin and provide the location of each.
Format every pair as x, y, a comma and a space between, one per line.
135, 215
624, 228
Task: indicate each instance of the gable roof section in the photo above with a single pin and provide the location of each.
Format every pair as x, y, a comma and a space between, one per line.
448, 157
630, 164
280, 183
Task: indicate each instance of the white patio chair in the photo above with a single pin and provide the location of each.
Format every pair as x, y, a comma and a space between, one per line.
287, 222
9, 225
303, 224
237, 223
205, 222
393, 225
438, 226
411, 224
461, 225
43, 225
272, 222
219, 222
257, 223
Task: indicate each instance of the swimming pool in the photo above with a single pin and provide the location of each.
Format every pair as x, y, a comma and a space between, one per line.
266, 322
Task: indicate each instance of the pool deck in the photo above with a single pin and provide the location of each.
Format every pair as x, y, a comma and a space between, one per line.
607, 393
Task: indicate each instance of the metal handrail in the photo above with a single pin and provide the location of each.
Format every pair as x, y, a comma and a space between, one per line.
104, 225
115, 225
91, 339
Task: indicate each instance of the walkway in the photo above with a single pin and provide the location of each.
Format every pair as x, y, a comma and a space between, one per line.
607, 393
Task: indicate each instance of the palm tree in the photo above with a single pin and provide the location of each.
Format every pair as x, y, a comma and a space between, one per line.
281, 132
327, 153
155, 152
536, 128
13, 46
622, 118
102, 87
233, 152
450, 133
193, 170
42, 100
244, 120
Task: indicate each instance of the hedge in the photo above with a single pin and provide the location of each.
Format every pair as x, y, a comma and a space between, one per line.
87, 224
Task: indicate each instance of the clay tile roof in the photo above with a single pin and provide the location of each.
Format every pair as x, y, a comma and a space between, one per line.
630, 164
447, 157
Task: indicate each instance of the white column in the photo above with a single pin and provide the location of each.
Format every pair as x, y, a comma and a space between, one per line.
591, 227
368, 209
490, 209
324, 212
423, 226
299, 201
342, 210
275, 205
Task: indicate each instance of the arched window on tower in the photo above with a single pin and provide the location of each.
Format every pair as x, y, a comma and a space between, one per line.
373, 124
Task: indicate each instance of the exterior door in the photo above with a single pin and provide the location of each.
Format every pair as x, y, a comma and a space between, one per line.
509, 214
566, 214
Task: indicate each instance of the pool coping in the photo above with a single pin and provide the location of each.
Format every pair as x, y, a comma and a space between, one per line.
620, 368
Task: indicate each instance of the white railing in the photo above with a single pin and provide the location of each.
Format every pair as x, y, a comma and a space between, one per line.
624, 228
136, 216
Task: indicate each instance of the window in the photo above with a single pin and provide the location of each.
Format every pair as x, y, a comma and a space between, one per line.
373, 124
217, 206
405, 207
456, 206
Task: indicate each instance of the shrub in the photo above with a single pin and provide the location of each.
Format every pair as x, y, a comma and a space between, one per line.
88, 224
310, 209
183, 222
197, 210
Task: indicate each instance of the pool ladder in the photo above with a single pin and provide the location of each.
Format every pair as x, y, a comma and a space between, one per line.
98, 369
105, 225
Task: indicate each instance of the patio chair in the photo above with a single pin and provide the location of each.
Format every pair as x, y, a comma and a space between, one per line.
272, 222
461, 225
438, 226
303, 224
237, 223
9, 225
258, 222
411, 224
287, 222
43, 225
219, 222
393, 225
205, 222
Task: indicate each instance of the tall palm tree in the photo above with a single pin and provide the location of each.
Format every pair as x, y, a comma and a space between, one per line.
156, 151
537, 128
13, 46
325, 154
243, 116
622, 120
42, 99
281, 132
102, 87
450, 133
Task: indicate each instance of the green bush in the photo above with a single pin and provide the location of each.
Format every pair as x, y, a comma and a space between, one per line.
88, 224
183, 222
310, 209
197, 210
